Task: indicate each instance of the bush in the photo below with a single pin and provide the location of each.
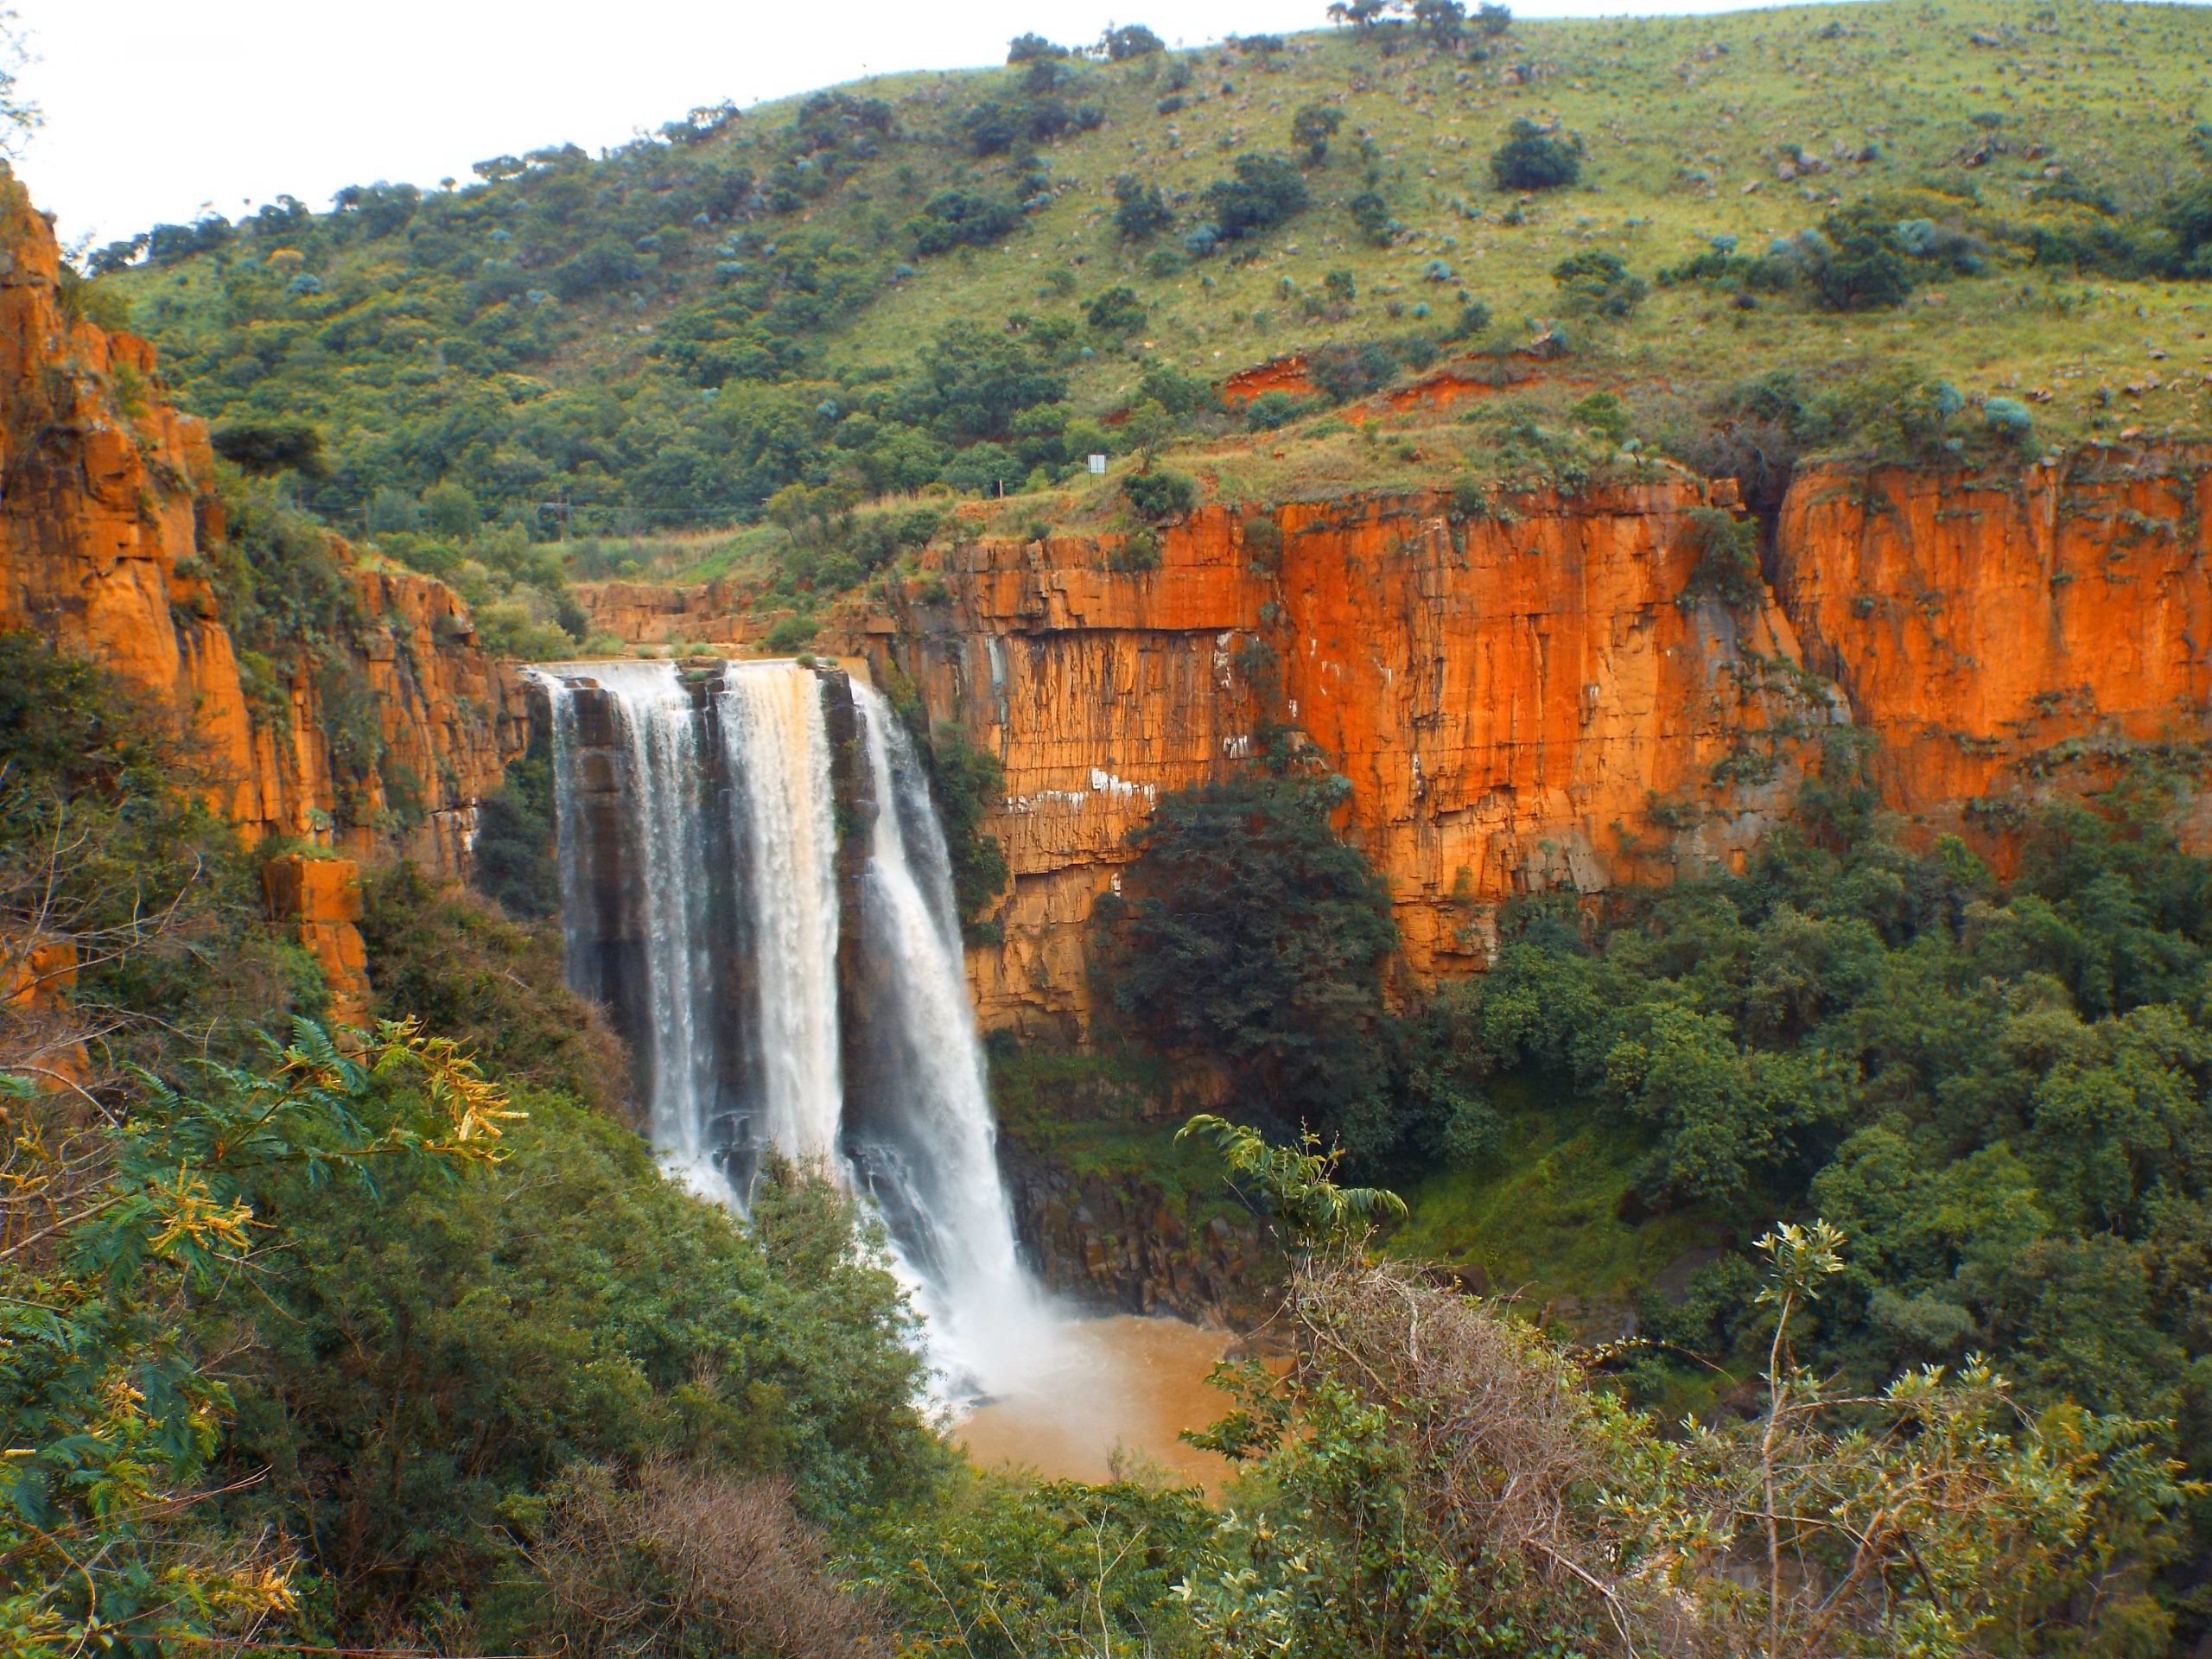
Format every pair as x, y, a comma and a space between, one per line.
512, 862
605, 263
1160, 494
1727, 565
2009, 417
1595, 283
1139, 212
1116, 311
490, 982
1342, 373
1531, 159
966, 783
1371, 215
791, 633
1471, 323
1313, 127
960, 217
1266, 191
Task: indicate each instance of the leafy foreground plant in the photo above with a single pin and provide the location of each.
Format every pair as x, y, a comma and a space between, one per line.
111, 1231
1431, 1476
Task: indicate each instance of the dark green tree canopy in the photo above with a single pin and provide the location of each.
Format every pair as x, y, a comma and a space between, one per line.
1251, 932
1533, 159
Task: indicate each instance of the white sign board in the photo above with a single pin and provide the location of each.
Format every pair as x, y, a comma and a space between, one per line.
1098, 463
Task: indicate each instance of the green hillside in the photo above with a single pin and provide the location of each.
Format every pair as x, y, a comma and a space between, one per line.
918, 281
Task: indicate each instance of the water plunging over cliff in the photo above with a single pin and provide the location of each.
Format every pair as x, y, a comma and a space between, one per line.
782, 986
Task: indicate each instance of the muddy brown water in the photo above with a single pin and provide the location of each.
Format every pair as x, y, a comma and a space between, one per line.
1122, 1384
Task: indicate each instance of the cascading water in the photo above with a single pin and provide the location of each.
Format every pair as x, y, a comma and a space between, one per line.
921, 1139
701, 871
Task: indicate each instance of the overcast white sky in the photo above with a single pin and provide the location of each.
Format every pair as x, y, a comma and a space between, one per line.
155, 108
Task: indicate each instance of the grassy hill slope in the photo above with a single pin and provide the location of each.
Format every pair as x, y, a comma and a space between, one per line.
665, 337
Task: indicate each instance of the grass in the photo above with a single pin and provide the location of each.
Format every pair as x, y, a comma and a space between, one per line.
1684, 120
1544, 1219
2108, 91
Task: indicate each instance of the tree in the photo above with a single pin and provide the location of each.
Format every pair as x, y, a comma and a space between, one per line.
1532, 159
1129, 41
1117, 310
1442, 20
261, 448
112, 1418
974, 381
1250, 932
1493, 19
1313, 127
1362, 15
19, 116
1140, 211
1033, 49
1266, 191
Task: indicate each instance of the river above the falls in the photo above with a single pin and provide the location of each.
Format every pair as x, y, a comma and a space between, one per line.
1119, 1384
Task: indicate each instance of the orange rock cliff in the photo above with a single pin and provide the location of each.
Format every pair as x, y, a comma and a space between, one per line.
1537, 699
106, 503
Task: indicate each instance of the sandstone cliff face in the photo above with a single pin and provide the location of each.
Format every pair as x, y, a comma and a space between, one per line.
1537, 700
1987, 628
106, 504
1511, 698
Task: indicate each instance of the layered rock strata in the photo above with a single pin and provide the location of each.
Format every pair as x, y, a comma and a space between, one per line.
1989, 628
1518, 701
1540, 697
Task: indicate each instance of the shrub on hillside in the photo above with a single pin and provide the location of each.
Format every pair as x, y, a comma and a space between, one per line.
1532, 159
1372, 215
1313, 127
1266, 191
1117, 311
955, 218
1160, 494
1140, 213
1597, 283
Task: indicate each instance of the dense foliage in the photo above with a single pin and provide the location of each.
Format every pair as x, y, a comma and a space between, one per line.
322, 1345
1249, 932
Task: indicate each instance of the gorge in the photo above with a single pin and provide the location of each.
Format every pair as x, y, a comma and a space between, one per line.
969, 868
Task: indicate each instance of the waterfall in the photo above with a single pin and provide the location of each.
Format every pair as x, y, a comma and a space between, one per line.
779, 988
925, 1147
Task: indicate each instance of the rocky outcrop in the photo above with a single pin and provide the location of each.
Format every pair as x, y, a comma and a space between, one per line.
1116, 1242
726, 614
1521, 700
321, 900
1989, 628
1539, 697
106, 512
